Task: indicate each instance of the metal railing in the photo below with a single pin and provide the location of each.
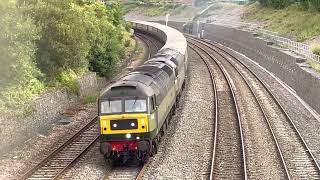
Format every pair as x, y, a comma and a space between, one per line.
297, 47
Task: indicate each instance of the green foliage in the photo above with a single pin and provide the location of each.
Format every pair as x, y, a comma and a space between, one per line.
63, 44
68, 79
315, 49
314, 65
154, 8
50, 42
108, 38
292, 21
314, 5
305, 4
90, 99
278, 4
18, 73
129, 7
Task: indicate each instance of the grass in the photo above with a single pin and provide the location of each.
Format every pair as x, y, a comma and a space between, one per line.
292, 21
90, 99
315, 49
129, 7
314, 65
154, 10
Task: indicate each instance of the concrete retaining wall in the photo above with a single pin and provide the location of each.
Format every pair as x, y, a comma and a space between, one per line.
282, 63
306, 84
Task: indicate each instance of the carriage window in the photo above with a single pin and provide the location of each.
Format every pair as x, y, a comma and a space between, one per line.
111, 107
136, 105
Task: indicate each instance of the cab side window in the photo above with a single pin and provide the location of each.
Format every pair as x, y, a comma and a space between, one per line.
152, 104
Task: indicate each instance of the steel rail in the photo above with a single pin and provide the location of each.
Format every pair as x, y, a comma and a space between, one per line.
276, 101
73, 139
149, 42
134, 172
216, 112
146, 41
260, 107
237, 113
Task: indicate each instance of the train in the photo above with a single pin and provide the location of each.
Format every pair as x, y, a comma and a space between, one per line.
134, 112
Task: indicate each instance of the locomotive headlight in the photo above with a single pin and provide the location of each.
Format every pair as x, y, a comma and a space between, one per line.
137, 137
114, 125
128, 136
132, 124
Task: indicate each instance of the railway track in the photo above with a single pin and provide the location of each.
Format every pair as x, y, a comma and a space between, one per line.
126, 172
297, 160
63, 157
228, 156
134, 172
151, 44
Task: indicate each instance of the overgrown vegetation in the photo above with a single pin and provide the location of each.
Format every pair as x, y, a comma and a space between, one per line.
46, 43
154, 8
280, 4
90, 99
292, 21
314, 65
315, 49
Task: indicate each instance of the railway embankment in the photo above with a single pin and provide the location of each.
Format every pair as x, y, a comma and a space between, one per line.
46, 110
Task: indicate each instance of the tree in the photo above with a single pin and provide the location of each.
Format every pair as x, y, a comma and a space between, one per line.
107, 35
63, 44
18, 71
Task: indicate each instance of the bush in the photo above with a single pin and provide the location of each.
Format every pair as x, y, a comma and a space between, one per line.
314, 5
90, 99
304, 4
63, 44
108, 38
278, 4
19, 76
68, 79
314, 65
315, 49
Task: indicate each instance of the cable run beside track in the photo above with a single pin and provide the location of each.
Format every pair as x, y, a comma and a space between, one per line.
228, 157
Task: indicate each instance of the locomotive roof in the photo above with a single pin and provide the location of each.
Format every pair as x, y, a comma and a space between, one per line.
175, 39
128, 88
147, 80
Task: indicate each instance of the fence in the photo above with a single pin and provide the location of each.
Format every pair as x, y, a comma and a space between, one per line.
297, 47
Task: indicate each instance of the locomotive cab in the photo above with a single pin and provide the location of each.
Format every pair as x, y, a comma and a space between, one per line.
125, 111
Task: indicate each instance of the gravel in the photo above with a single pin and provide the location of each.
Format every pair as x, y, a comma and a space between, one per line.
305, 121
263, 159
16, 162
185, 151
90, 166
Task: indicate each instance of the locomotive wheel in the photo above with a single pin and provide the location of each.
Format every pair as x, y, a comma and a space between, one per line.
112, 162
145, 157
155, 147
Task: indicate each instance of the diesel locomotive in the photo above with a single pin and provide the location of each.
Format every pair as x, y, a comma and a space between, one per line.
134, 112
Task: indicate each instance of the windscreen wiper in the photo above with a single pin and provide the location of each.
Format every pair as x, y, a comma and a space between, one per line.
134, 103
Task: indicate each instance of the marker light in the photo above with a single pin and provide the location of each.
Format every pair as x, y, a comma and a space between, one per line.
128, 136
115, 125
137, 137
132, 124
